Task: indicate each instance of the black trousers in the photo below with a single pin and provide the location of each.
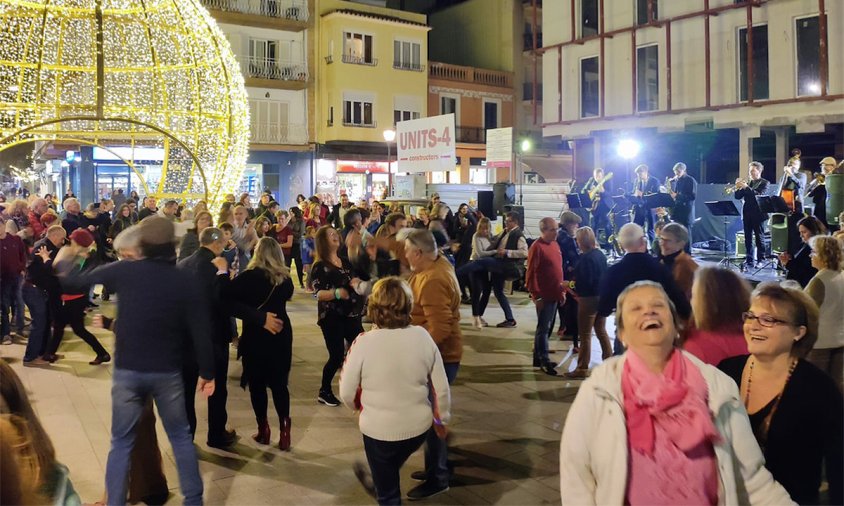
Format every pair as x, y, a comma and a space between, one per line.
190, 375
296, 254
72, 312
645, 218
337, 331
217, 415
753, 242
385, 459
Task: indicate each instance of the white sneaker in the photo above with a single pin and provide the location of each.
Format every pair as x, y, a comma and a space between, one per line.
7, 340
477, 323
483, 322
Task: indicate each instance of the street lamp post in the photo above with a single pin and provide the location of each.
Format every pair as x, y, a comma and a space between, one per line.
389, 136
525, 147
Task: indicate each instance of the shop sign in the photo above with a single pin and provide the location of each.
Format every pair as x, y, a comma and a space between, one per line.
426, 144
354, 167
499, 147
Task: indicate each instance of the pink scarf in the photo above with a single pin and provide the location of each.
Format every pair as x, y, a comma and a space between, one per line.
675, 401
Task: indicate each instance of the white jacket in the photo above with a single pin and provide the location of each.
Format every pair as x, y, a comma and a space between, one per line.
593, 450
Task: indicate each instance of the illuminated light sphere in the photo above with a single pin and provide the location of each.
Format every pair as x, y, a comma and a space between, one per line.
127, 73
628, 148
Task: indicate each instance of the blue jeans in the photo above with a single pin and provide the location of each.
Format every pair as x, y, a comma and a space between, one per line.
436, 449
544, 317
9, 290
128, 395
39, 332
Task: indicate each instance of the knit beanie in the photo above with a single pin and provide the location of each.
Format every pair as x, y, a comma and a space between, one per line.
82, 237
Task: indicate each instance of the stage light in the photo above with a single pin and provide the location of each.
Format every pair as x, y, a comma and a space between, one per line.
628, 148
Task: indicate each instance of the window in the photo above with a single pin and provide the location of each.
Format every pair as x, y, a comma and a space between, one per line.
448, 105
269, 120
760, 63
808, 57
399, 115
642, 11
590, 100
357, 48
407, 55
588, 17
358, 113
263, 49
647, 78
491, 114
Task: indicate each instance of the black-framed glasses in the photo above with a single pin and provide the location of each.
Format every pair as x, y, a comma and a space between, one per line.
764, 320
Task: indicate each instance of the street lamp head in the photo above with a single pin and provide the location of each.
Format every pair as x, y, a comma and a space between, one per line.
389, 135
526, 145
628, 148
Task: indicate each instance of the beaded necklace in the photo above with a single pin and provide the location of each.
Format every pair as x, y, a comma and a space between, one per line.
766, 423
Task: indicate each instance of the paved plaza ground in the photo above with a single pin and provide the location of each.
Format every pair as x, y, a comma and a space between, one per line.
507, 420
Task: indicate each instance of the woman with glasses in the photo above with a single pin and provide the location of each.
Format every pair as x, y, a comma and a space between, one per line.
796, 411
827, 290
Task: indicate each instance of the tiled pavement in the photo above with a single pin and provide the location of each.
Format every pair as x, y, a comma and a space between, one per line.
507, 419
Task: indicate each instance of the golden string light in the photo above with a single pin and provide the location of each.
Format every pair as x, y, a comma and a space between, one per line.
132, 73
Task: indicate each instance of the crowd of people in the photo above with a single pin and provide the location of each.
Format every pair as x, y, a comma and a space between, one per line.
407, 275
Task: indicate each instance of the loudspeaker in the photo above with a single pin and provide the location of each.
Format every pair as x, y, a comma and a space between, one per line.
779, 232
740, 248
503, 194
834, 198
520, 210
485, 205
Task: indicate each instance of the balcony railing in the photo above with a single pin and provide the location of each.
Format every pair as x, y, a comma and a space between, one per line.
274, 133
347, 123
529, 41
296, 10
268, 68
527, 91
473, 135
460, 73
359, 60
416, 67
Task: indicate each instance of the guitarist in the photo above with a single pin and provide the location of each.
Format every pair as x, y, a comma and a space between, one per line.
599, 191
683, 189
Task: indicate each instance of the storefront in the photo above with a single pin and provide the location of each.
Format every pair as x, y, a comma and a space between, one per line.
360, 180
112, 173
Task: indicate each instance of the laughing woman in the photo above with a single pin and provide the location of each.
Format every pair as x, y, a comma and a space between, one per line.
658, 426
796, 410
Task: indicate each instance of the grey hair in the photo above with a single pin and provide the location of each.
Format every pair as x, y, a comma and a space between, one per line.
679, 165
423, 240
622, 297
129, 238
630, 234
677, 231
210, 235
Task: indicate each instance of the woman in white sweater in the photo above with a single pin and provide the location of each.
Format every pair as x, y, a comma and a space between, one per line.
394, 376
827, 290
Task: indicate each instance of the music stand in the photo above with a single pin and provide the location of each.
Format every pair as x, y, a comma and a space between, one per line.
769, 204
578, 201
655, 200
724, 209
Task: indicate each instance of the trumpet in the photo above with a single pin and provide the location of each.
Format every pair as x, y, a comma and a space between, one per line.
820, 179
732, 188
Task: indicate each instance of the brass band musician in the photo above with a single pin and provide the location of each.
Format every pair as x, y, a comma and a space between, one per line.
817, 189
751, 216
683, 188
645, 185
793, 183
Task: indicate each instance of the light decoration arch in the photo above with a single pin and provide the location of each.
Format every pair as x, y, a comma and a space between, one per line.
140, 73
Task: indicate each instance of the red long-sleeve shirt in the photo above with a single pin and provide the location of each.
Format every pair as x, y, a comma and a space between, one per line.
12, 256
544, 276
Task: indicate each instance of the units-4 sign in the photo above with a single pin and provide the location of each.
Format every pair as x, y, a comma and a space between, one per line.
426, 144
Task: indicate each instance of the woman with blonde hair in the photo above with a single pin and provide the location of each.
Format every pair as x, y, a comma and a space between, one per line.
263, 287
478, 280
658, 426
827, 290
386, 378
796, 411
719, 298
339, 307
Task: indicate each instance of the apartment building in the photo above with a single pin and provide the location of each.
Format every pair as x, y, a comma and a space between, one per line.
371, 74
714, 83
274, 41
480, 99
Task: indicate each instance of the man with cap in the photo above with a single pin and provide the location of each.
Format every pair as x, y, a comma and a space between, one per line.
817, 190
159, 305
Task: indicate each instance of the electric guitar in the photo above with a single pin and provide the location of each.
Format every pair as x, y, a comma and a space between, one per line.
595, 192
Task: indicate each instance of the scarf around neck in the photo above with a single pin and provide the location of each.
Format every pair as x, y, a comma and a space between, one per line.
673, 403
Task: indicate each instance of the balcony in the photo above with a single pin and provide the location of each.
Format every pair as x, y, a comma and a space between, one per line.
463, 74
529, 41
471, 135
274, 133
527, 92
274, 73
346, 123
359, 60
415, 67
291, 10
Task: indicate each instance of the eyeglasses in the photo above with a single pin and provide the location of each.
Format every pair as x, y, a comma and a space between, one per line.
764, 320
